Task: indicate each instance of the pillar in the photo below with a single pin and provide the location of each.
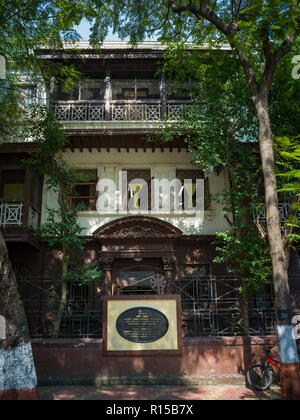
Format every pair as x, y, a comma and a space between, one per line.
169, 264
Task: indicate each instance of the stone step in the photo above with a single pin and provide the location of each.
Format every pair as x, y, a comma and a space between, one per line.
166, 380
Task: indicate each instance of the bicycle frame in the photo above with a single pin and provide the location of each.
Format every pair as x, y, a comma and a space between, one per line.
273, 362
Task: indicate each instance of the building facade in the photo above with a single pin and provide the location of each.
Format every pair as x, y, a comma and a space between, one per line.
107, 118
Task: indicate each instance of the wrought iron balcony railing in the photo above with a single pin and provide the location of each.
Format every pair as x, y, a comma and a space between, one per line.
17, 214
260, 214
75, 111
136, 112
97, 111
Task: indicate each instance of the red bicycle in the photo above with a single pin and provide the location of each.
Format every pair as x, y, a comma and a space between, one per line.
260, 377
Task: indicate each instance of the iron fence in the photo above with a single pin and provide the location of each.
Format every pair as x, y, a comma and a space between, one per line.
211, 307
82, 317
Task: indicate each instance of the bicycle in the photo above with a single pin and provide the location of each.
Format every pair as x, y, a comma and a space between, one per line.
260, 377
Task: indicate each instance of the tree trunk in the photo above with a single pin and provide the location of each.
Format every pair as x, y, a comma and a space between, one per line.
245, 313
63, 298
17, 372
289, 372
278, 257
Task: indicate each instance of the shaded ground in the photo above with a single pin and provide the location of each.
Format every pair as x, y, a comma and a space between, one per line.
211, 392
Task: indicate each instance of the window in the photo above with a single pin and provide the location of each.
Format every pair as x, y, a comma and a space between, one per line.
135, 282
139, 86
179, 90
138, 94
92, 90
36, 190
200, 270
183, 174
28, 97
87, 90
84, 193
137, 190
12, 184
70, 95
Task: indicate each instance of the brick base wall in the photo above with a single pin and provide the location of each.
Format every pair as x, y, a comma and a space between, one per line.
69, 361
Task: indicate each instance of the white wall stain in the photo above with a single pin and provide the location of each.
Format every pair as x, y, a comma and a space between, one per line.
287, 344
2, 67
17, 369
2, 328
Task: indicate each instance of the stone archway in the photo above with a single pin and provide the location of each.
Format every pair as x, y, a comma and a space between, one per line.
133, 238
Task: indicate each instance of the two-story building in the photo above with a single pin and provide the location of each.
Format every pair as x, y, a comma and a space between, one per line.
107, 118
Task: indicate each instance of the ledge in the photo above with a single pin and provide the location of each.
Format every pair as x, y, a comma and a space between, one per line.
108, 125
187, 342
207, 213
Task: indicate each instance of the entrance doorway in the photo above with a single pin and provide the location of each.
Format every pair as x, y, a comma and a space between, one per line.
134, 277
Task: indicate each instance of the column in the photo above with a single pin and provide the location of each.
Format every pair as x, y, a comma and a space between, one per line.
163, 94
106, 266
169, 264
108, 97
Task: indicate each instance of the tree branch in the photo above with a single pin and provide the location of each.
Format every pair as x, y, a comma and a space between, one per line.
272, 61
248, 69
204, 11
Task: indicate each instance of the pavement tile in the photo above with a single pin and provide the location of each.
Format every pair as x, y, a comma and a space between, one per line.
150, 393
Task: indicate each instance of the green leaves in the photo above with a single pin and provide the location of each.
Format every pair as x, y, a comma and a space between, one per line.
220, 131
288, 173
62, 229
248, 257
83, 274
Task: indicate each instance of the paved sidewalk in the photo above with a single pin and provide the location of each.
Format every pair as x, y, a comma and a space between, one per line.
211, 392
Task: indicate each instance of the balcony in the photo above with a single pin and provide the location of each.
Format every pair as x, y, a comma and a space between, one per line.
13, 214
16, 217
260, 214
20, 203
123, 99
74, 111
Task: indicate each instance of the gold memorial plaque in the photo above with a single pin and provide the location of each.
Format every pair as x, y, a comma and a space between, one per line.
140, 325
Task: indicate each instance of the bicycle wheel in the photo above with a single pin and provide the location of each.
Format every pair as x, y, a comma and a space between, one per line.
259, 377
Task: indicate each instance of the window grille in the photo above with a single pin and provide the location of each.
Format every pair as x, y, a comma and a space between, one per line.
83, 313
211, 306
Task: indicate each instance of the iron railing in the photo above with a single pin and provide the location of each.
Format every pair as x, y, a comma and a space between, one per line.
82, 317
260, 214
136, 112
211, 306
12, 214
75, 111
97, 111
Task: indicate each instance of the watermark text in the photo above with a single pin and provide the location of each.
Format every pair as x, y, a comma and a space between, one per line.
2, 328
157, 196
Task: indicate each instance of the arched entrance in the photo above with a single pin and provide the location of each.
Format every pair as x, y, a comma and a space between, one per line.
133, 250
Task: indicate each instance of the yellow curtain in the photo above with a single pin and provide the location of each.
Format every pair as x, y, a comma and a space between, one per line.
13, 191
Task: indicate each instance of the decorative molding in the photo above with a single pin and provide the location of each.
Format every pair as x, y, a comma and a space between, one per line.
106, 263
169, 263
138, 227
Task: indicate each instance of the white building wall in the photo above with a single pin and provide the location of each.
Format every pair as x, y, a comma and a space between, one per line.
163, 164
